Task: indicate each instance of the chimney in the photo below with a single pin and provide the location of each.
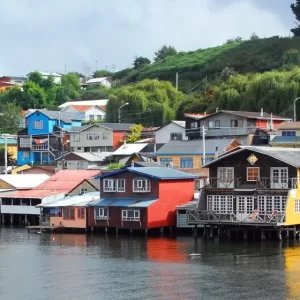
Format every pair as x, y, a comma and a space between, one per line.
261, 112
132, 164
217, 152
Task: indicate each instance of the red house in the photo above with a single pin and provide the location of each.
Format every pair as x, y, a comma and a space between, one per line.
140, 198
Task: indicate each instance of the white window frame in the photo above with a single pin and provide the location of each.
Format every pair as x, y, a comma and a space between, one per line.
136, 215
121, 189
25, 142
38, 124
27, 154
140, 183
83, 190
103, 213
297, 206
111, 186
76, 137
248, 173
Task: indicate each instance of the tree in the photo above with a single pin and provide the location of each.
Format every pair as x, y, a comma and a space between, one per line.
296, 11
226, 73
254, 37
35, 77
71, 86
135, 133
102, 73
34, 96
151, 102
2, 156
164, 51
10, 116
140, 62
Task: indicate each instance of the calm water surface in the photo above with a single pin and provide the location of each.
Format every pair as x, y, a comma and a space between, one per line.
74, 266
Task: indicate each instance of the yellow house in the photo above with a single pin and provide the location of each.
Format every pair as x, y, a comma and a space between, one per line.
189, 154
12, 146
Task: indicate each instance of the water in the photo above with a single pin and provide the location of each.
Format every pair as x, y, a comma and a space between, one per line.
74, 266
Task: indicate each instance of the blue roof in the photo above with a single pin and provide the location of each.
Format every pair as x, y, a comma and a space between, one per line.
285, 140
9, 141
125, 202
154, 172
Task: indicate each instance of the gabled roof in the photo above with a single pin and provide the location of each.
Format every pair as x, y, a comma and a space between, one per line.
148, 164
88, 156
194, 146
153, 172
97, 80
289, 125
128, 149
176, 122
56, 115
250, 115
24, 181
196, 116
290, 156
112, 126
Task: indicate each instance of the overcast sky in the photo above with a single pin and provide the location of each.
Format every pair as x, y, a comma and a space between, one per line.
46, 35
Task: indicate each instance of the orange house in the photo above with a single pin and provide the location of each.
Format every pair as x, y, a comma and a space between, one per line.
70, 212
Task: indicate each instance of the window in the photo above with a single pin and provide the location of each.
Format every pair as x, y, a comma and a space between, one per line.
211, 124
105, 135
89, 136
233, 123
297, 205
76, 137
83, 190
252, 174
109, 185
217, 124
120, 185
68, 213
25, 142
165, 161
141, 185
25, 154
99, 117
289, 133
186, 162
101, 213
78, 148
194, 124
80, 213
96, 136
130, 215
38, 124
91, 117
176, 136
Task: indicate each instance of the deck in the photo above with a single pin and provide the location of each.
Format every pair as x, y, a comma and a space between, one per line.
43, 227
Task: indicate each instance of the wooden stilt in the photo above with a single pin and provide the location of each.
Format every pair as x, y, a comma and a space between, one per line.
245, 235
262, 235
211, 232
279, 234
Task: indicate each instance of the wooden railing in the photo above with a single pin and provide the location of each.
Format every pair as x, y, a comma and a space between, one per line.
205, 217
214, 182
271, 183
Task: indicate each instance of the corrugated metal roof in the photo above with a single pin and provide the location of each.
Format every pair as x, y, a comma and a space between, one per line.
10, 141
90, 156
194, 147
191, 204
124, 202
85, 102
33, 194
24, 181
147, 164
112, 126
56, 115
289, 125
290, 156
154, 172
129, 149
78, 200
97, 80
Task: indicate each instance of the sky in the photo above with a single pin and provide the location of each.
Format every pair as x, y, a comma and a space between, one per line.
49, 35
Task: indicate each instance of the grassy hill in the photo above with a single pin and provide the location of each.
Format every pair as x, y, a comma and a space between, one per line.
256, 56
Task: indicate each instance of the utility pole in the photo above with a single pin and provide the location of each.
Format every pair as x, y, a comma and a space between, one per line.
176, 81
5, 153
96, 61
65, 69
203, 150
295, 115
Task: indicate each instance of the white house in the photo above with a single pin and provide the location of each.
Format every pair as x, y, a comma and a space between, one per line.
102, 102
175, 130
57, 76
104, 81
87, 112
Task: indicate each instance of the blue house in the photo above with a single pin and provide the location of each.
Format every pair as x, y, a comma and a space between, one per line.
46, 136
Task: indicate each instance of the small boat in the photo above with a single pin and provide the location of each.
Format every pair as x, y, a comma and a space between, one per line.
195, 254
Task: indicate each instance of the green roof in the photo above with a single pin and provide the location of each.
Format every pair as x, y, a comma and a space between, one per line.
9, 141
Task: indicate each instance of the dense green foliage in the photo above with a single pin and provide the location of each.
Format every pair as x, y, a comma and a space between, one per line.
10, 117
135, 133
164, 52
151, 102
140, 62
296, 11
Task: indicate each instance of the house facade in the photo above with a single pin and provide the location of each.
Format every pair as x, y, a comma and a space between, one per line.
175, 130
251, 186
45, 137
140, 198
189, 154
103, 137
100, 81
87, 112
288, 135
233, 124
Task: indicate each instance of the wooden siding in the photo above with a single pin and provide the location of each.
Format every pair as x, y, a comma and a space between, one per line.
128, 187
115, 218
84, 185
197, 159
77, 223
171, 194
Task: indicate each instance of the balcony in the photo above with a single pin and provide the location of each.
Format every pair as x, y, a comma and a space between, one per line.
216, 132
255, 218
261, 184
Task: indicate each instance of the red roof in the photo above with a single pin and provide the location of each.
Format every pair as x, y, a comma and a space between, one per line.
83, 108
61, 182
